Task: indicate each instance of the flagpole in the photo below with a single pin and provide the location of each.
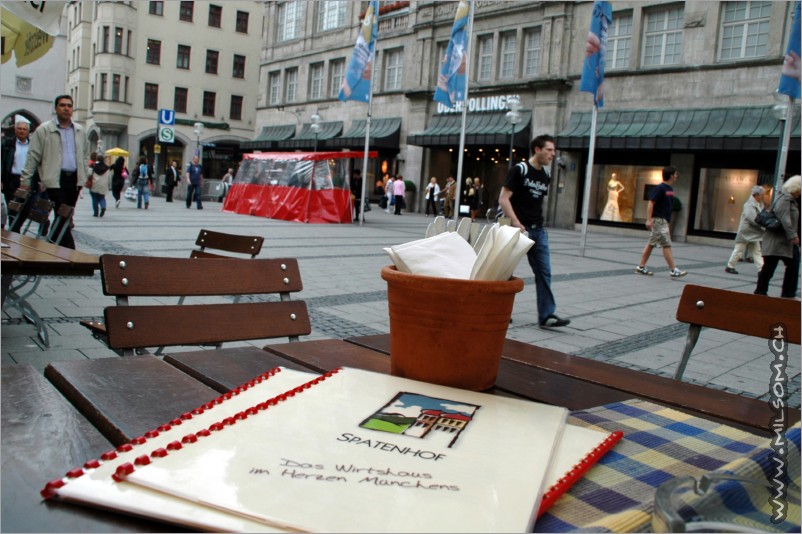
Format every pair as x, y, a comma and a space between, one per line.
588, 176
461, 156
785, 138
367, 138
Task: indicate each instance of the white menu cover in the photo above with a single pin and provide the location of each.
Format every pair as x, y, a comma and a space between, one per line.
357, 451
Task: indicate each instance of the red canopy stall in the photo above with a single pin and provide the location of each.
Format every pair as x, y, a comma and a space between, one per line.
311, 187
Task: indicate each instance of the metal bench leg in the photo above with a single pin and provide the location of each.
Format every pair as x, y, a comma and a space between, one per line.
29, 314
690, 343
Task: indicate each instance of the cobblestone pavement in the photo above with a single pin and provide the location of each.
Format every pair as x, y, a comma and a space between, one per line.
617, 316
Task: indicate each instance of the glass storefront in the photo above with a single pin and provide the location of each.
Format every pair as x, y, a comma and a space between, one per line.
620, 193
722, 193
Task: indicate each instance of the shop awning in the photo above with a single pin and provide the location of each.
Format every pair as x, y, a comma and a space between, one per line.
736, 128
306, 139
480, 129
384, 133
267, 138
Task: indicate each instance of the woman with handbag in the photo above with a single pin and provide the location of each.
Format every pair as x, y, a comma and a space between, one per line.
99, 186
783, 244
119, 175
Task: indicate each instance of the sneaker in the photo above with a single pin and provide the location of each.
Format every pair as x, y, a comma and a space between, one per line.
730, 270
643, 270
676, 273
553, 320
102, 212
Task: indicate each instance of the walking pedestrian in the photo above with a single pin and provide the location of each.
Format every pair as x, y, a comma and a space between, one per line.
15, 153
482, 196
432, 194
100, 182
388, 188
449, 196
119, 177
194, 176
747, 240
356, 192
783, 244
522, 201
658, 219
59, 151
171, 178
399, 188
144, 182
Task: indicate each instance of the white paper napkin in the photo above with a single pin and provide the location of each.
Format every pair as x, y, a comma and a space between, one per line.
445, 255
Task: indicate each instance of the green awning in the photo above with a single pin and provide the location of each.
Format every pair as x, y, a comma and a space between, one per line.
306, 139
384, 133
736, 128
267, 138
480, 129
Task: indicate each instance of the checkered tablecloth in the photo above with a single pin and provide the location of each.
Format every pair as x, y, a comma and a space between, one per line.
659, 444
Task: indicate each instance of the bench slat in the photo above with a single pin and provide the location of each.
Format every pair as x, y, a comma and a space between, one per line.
126, 397
742, 313
239, 244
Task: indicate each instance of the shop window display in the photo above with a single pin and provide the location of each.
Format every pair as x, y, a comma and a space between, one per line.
722, 193
620, 193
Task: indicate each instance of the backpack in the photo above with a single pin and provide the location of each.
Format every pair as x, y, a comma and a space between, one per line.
143, 172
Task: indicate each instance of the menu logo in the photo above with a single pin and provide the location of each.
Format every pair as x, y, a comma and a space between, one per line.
438, 420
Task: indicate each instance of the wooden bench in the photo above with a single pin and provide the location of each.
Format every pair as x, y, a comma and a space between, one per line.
732, 311
207, 241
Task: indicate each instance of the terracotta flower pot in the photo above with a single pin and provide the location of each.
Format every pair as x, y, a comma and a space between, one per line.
446, 331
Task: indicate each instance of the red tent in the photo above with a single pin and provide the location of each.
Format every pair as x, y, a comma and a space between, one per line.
310, 187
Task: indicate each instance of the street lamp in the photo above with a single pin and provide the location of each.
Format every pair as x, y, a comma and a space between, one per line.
198, 132
513, 116
315, 126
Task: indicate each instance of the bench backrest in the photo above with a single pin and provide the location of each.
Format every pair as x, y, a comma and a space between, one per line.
137, 326
742, 313
237, 244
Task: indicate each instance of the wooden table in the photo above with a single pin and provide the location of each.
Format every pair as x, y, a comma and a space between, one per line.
81, 409
22, 255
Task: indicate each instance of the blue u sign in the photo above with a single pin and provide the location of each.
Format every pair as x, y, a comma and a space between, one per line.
166, 116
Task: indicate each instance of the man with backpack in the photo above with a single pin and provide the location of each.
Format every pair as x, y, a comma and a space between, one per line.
521, 200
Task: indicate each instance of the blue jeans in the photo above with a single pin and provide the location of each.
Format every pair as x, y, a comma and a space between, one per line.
196, 189
142, 190
540, 261
98, 203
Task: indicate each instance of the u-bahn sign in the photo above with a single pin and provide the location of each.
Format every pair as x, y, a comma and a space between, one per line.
166, 126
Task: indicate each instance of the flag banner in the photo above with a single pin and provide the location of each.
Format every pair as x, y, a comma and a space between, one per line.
356, 83
596, 52
451, 82
23, 40
43, 15
792, 69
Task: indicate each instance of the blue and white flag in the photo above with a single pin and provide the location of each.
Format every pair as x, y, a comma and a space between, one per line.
596, 51
356, 83
792, 69
451, 82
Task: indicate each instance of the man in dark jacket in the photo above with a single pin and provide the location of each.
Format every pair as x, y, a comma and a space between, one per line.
171, 179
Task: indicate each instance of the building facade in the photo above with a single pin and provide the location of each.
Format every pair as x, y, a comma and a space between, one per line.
128, 60
688, 84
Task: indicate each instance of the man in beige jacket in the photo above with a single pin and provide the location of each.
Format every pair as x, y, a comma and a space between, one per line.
60, 152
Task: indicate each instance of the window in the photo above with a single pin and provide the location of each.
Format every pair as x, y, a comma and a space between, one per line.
316, 81
337, 69
125, 92
182, 59
180, 99
215, 15
289, 20
331, 15
115, 87
106, 33
393, 70
211, 61
619, 42
208, 103
292, 85
151, 96
118, 40
508, 47
242, 22
239, 66
274, 86
722, 192
156, 8
187, 11
154, 55
236, 108
532, 49
102, 90
663, 37
745, 30
484, 70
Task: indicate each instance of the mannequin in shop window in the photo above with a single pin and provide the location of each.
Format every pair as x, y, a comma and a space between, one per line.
611, 213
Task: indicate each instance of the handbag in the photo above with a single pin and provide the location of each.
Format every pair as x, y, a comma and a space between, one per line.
130, 193
768, 220
89, 181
